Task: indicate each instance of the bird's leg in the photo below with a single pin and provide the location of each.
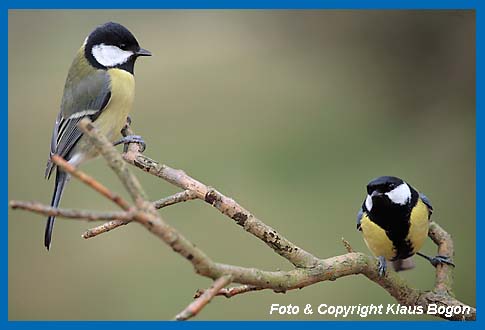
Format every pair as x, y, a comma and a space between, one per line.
437, 260
132, 139
382, 265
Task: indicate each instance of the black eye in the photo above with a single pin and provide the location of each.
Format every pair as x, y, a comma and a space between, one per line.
123, 46
392, 186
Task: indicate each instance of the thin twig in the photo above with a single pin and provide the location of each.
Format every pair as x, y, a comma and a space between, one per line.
97, 186
347, 245
196, 306
231, 292
182, 196
69, 213
161, 203
90, 181
105, 147
104, 228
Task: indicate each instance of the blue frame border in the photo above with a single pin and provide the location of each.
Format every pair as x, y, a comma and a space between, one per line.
247, 4
238, 4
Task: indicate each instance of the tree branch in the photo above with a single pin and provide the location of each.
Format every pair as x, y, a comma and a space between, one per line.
159, 204
105, 148
147, 216
68, 213
308, 268
444, 272
347, 245
196, 306
97, 186
231, 292
227, 206
104, 228
182, 196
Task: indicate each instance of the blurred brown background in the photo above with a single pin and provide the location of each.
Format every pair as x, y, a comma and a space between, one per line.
289, 112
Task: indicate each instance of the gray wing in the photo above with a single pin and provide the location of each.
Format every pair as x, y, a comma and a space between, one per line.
83, 97
427, 202
359, 218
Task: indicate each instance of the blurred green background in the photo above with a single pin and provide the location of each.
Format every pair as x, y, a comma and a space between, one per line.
289, 112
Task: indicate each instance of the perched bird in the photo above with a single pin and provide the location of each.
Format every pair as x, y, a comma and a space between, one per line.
100, 86
394, 220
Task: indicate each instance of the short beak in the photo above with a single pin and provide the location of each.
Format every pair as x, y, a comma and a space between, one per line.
375, 193
143, 52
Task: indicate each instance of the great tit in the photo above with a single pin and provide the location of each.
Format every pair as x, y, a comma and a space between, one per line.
100, 86
394, 220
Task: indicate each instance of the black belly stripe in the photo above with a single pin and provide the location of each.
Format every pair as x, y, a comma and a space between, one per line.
404, 249
394, 220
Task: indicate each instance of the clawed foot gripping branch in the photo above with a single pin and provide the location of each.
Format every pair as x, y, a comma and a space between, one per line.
307, 269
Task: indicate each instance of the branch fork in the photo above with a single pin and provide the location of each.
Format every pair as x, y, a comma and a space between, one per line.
307, 268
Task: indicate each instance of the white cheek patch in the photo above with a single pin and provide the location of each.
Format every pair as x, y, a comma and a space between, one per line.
400, 195
109, 55
368, 203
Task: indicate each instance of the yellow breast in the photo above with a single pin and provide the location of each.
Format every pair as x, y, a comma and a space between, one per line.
376, 239
113, 117
418, 231
380, 245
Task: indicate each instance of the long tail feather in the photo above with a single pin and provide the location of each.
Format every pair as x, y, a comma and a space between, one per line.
61, 179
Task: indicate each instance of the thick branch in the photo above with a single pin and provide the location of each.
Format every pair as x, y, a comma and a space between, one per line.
280, 244
444, 272
333, 268
227, 206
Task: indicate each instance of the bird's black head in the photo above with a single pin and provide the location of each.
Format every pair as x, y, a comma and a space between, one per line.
383, 184
388, 191
111, 45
